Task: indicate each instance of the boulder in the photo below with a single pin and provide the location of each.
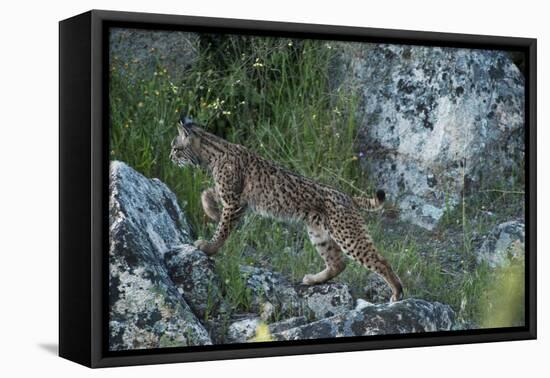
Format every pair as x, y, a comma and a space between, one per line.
407, 316
436, 122
325, 300
192, 272
377, 290
245, 330
270, 290
506, 241
146, 310
153, 50
289, 323
163, 292
242, 331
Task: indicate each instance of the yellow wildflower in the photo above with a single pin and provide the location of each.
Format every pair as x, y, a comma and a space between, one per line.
262, 333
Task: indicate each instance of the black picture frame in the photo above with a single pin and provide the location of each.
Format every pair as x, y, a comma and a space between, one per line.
83, 182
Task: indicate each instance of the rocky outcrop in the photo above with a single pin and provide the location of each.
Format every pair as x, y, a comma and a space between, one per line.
407, 316
273, 294
377, 290
192, 272
505, 242
437, 122
329, 310
366, 319
146, 310
163, 292
245, 330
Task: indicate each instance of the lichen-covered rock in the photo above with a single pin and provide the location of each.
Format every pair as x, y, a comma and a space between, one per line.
506, 241
377, 290
327, 299
437, 122
193, 275
271, 289
408, 316
289, 323
145, 308
153, 50
244, 330
163, 292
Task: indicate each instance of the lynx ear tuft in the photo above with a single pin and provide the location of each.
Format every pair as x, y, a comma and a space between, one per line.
185, 119
381, 195
185, 124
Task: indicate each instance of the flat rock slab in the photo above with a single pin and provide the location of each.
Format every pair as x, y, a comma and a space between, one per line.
245, 330
407, 316
272, 290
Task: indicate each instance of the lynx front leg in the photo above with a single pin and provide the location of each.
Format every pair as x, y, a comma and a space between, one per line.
229, 216
330, 252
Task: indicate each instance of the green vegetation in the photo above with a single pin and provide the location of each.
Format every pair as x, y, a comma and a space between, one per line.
272, 95
503, 301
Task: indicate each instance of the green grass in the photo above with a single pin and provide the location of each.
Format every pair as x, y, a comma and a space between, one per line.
272, 95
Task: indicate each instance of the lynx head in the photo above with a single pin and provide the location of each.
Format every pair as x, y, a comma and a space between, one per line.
185, 146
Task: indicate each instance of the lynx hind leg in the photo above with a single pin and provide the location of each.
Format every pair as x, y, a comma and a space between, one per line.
331, 254
210, 204
348, 232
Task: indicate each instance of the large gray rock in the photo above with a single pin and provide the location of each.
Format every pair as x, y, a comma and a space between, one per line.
437, 122
146, 310
273, 294
192, 272
153, 50
270, 292
407, 316
326, 299
377, 290
245, 330
506, 241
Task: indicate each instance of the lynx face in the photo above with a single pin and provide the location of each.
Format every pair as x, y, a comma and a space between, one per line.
182, 153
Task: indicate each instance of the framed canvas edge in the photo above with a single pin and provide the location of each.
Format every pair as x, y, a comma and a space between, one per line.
75, 270
99, 190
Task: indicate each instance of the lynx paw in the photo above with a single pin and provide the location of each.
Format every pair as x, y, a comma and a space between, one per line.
396, 297
206, 247
309, 279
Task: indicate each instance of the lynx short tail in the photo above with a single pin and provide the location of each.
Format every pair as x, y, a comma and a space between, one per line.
371, 203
